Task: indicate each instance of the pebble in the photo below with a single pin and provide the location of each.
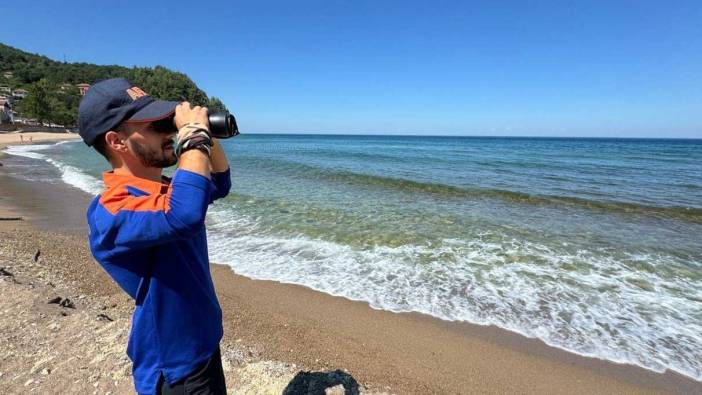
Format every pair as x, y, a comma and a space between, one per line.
30, 381
104, 317
67, 303
45, 371
55, 300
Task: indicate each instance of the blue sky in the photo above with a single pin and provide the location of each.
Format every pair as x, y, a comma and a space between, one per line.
565, 68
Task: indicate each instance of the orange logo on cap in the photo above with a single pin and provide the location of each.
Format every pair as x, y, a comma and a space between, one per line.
135, 92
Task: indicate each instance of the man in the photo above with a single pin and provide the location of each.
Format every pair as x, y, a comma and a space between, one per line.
148, 231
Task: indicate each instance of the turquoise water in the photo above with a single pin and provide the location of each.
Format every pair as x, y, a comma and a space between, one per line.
592, 245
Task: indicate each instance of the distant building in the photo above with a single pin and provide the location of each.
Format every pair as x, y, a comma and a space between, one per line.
83, 88
5, 111
7, 97
18, 118
19, 93
7, 74
5, 89
65, 87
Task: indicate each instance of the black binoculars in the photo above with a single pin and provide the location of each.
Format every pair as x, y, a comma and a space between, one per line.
222, 124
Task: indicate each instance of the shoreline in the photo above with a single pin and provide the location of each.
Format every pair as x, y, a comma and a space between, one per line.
407, 352
13, 138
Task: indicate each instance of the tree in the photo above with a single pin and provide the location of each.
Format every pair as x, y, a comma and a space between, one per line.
215, 104
41, 76
63, 106
37, 104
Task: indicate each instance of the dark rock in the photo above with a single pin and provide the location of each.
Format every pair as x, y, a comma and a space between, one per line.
315, 383
5, 273
67, 303
55, 300
104, 317
36, 255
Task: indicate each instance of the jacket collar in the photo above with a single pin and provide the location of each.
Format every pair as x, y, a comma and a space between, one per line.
113, 180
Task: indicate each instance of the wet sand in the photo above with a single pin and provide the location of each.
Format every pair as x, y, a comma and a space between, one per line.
404, 353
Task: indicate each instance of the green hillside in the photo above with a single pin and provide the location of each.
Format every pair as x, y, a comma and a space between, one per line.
53, 97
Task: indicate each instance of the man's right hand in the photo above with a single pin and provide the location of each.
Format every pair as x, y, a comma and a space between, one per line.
193, 160
185, 114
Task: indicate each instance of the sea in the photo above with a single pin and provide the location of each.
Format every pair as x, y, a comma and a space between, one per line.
593, 246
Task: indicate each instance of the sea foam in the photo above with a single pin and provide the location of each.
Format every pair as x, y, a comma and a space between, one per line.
69, 174
598, 307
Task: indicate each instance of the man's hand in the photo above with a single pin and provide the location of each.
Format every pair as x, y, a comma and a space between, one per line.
193, 160
185, 114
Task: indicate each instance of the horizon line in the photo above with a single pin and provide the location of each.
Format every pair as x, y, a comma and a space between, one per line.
472, 135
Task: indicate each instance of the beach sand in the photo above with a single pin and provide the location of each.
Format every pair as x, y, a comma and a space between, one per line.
273, 332
16, 138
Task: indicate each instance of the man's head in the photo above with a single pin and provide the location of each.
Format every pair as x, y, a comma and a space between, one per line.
146, 144
126, 125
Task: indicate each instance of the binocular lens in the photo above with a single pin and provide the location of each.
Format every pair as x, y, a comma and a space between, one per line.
222, 125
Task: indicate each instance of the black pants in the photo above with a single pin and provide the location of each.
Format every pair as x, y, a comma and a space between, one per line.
207, 379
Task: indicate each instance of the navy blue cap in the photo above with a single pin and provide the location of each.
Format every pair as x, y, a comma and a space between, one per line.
110, 102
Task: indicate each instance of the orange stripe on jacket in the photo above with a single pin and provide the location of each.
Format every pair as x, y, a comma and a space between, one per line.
117, 197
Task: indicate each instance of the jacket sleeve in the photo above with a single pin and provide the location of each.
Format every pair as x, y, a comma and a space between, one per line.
125, 222
222, 183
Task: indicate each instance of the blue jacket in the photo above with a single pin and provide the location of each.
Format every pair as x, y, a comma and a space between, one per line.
150, 238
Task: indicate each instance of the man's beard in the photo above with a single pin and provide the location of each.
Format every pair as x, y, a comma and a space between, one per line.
150, 157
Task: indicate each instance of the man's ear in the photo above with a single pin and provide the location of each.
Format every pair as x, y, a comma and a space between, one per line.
115, 141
